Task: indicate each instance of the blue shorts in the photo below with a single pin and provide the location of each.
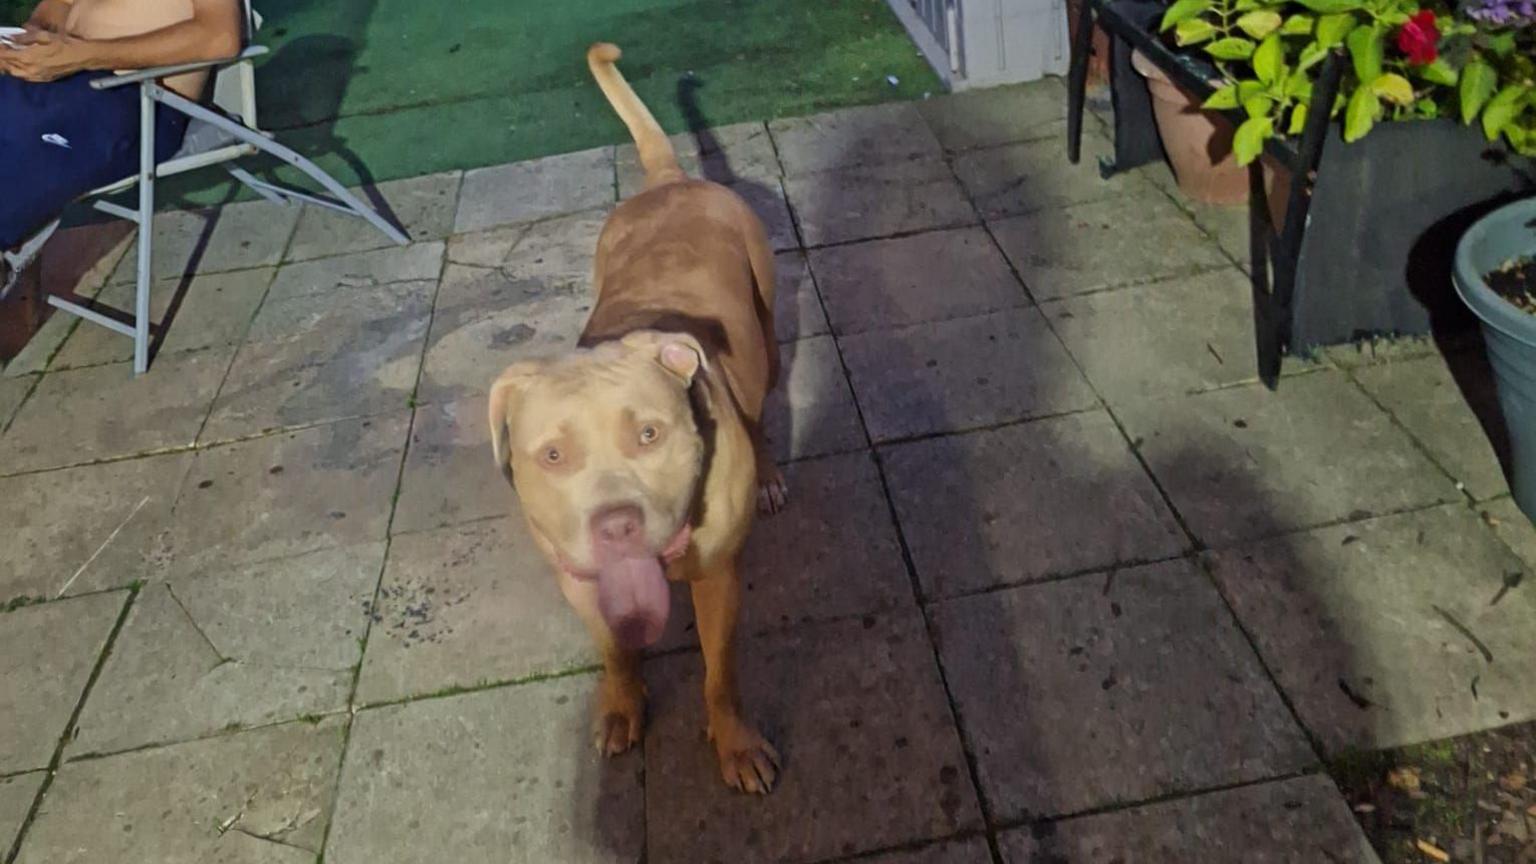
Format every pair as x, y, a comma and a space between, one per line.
62, 139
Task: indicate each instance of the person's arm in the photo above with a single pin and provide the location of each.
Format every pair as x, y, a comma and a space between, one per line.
49, 15
212, 33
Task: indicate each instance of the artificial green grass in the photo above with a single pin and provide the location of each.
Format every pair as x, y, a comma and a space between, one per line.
376, 90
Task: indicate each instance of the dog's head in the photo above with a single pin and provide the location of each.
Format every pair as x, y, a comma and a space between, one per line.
605, 454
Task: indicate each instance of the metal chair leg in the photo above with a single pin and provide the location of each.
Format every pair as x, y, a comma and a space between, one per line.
1077, 84
146, 227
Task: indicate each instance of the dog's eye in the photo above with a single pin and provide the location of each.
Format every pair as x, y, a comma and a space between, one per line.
552, 456
649, 434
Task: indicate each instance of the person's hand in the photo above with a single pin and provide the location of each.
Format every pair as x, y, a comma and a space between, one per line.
39, 55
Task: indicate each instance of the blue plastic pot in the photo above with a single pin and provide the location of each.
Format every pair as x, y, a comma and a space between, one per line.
1510, 333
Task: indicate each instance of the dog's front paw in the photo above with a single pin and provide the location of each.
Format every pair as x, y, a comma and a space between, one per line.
620, 720
772, 491
748, 763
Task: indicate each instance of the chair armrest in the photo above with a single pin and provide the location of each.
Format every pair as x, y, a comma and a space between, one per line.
140, 75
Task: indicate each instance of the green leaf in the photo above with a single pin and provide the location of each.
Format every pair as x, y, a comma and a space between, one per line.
1269, 60
1331, 29
1438, 72
1501, 109
1259, 106
1394, 88
1365, 50
1297, 25
1193, 32
1330, 7
1361, 114
1478, 81
1310, 56
1259, 23
1231, 48
1248, 143
1503, 44
1298, 119
1223, 99
1183, 10
1297, 86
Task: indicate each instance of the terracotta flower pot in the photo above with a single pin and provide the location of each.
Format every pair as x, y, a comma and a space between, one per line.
1198, 143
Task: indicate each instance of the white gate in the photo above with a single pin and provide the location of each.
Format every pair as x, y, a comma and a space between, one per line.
984, 43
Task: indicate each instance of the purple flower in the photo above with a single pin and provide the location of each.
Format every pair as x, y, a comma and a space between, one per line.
1502, 13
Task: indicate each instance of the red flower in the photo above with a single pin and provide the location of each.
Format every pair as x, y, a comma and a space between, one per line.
1418, 37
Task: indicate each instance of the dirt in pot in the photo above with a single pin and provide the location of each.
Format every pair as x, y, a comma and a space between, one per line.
1516, 282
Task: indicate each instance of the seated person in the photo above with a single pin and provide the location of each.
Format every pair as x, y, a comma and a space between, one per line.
61, 138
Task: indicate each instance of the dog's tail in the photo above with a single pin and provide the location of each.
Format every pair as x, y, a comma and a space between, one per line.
656, 154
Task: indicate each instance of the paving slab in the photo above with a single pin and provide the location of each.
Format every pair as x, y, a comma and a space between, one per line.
233, 237
1029, 177
286, 494
910, 280
799, 564
973, 851
104, 412
811, 412
84, 529
858, 712
1515, 528
16, 797
511, 775
50, 650
12, 392
1131, 239
877, 200
866, 135
556, 251
724, 154
949, 376
997, 115
258, 796
450, 473
797, 312
75, 261
424, 206
1443, 402
994, 489
1286, 822
249, 646
1365, 626
419, 262
325, 357
465, 606
1107, 690
1184, 335
526, 191
212, 310
510, 320
1244, 462
770, 202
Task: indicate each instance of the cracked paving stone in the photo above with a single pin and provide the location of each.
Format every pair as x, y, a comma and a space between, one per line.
84, 529
1035, 176
1295, 821
16, 797
503, 776
249, 647
422, 205
858, 712
467, 605
233, 237
419, 262
49, 650
1152, 691
450, 472
285, 494
1383, 633
1515, 528
259, 796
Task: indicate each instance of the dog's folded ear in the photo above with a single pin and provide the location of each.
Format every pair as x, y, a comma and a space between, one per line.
506, 393
678, 353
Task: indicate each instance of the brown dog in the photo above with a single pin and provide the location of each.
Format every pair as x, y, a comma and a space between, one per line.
638, 456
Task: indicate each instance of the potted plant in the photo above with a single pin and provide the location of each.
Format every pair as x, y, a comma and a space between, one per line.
1496, 277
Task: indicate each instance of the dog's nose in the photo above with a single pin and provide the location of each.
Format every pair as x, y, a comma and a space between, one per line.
620, 526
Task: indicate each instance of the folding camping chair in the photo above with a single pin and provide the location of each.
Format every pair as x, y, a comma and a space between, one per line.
220, 133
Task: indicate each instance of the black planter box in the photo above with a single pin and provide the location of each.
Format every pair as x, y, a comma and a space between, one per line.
1385, 215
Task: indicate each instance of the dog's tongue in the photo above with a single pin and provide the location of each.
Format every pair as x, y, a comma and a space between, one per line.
632, 595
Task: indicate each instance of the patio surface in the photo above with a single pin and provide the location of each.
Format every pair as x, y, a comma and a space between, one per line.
1058, 580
